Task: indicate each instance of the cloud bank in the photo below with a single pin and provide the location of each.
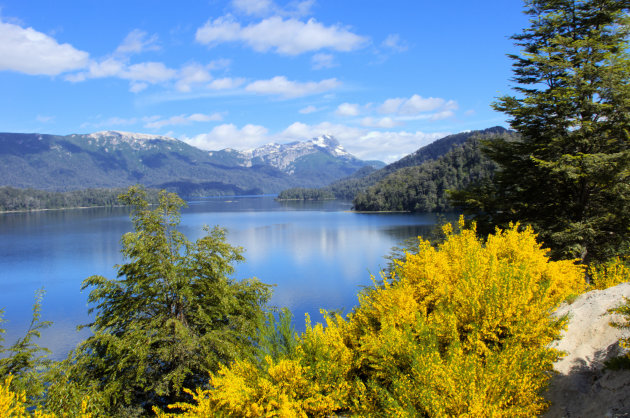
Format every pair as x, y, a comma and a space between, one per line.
282, 36
28, 51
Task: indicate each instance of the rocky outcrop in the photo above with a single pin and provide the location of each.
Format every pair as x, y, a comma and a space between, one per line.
583, 387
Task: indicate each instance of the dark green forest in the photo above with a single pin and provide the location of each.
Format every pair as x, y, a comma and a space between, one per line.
14, 199
424, 188
302, 193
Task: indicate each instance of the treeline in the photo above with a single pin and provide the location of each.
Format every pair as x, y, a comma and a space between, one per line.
13, 199
301, 193
424, 188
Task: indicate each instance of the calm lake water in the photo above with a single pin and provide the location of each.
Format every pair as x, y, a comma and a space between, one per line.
317, 254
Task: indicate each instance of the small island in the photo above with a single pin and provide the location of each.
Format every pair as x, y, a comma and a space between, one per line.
302, 193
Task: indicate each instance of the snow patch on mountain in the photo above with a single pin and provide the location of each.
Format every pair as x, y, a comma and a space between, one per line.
282, 156
135, 140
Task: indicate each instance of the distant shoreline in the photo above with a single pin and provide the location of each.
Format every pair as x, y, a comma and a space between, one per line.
304, 200
380, 211
62, 208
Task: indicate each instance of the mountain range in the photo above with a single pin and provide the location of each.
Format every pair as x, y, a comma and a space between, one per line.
118, 159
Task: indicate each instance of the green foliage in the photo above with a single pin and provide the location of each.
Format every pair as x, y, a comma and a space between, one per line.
70, 397
568, 173
276, 337
460, 329
172, 316
301, 193
424, 188
25, 360
12, 199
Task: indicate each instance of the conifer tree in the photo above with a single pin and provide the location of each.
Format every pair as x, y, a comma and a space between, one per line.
172, 316
568, 172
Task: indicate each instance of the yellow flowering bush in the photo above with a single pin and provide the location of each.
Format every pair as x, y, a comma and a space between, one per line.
312, 384
11, 404
609, 274
462, 329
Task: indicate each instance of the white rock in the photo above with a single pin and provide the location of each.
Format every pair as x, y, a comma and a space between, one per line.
582, 387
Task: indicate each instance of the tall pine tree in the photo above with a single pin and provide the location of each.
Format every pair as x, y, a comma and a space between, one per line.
567, 174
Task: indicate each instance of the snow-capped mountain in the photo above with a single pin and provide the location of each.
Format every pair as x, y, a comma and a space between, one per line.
136, 141
291, 158
119, 159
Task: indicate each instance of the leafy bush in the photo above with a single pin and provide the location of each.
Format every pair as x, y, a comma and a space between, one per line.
172, 315
461, 329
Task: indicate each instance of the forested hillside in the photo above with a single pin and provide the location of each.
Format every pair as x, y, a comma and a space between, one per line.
423, 188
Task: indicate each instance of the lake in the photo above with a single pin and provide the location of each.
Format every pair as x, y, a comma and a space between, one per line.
317, 254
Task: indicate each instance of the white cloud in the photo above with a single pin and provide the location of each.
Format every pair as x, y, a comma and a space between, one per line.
301, 131
137, 87
31, 52
219, 64
221, 29
418, 108
394, 43
190, 75
183, 120
254, 7
281, 86
301, 8
149, 72
391, 146
417, 104
109, 123
137, 41
143, 74
322, 60
385, 122
283, 36
444, 114
308, 109
109, 67
268, 7
229, 136
391, 106
226, 83
347, 109
45, 119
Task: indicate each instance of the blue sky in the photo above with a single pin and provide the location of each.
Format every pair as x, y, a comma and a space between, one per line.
385, 78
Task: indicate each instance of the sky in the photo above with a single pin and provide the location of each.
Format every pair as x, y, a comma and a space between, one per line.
384, 78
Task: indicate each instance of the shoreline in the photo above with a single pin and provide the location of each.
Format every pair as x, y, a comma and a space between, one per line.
63, 208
